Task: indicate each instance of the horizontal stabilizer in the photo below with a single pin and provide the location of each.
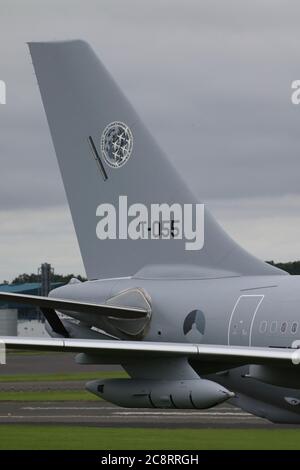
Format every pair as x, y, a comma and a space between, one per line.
74, 306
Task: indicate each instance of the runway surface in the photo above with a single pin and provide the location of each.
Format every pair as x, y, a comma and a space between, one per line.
99, 413
103, 414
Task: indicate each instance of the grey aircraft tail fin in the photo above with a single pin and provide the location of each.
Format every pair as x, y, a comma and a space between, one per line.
105, 152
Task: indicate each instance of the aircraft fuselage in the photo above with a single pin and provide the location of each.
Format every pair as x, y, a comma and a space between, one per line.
246, 311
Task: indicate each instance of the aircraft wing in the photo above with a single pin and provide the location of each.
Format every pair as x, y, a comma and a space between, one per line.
120, 349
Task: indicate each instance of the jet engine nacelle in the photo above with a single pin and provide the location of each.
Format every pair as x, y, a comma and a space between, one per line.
287, 377
139, 393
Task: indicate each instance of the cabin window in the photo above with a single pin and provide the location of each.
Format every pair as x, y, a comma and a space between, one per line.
294, 327
273, 327
263, 326
283, 327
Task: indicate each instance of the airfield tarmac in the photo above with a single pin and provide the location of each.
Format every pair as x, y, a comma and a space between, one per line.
107, 415
99, 413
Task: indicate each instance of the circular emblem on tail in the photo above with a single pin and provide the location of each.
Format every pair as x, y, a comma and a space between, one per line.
116, 144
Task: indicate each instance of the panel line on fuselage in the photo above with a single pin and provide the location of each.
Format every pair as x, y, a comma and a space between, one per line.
250, 322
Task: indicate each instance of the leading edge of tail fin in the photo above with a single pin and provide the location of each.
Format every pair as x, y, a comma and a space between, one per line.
130, 207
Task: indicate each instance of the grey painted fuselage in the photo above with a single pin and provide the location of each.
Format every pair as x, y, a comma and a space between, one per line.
247, 311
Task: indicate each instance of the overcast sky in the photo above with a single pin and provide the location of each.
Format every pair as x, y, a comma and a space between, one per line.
212, 80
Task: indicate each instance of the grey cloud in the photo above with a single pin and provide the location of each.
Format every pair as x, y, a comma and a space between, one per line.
212, 81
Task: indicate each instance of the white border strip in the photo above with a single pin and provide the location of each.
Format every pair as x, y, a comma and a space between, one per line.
2, 353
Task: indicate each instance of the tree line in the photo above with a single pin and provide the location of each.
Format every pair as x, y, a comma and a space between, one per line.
33, 277
292, 267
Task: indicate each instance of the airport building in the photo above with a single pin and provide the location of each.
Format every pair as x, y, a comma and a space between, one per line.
25, 320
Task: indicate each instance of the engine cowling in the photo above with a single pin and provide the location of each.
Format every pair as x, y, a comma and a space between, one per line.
139, 393
287, 377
